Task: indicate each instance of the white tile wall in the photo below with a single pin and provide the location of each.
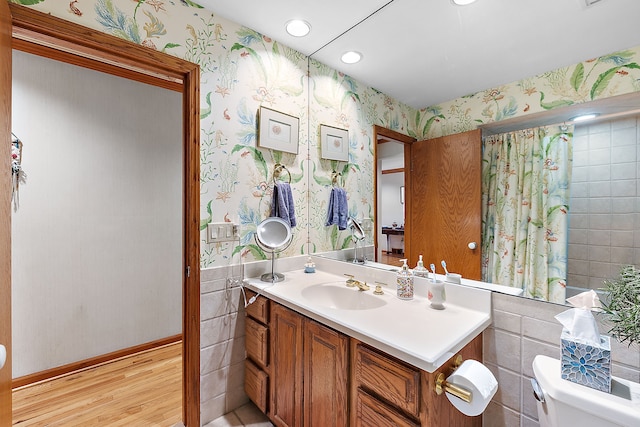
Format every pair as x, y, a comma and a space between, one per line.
222, 351
521, 329
605, 201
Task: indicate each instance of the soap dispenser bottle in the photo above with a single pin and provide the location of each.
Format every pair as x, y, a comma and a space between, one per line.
420, 270
405, 282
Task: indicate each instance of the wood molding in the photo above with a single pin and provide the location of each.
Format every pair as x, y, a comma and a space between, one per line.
91, 362
5, 211
62, 35
397, 170
73, 59
387, 135
384, 135
66, 41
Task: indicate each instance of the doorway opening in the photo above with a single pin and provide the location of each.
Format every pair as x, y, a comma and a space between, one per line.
391, 182
50, 37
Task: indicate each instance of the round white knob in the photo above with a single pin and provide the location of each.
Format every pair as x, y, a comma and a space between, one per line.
472, 245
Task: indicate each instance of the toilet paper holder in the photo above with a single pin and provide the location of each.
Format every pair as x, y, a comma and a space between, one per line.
443, 386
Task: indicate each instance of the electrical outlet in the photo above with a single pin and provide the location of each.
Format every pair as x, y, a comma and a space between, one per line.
221, 232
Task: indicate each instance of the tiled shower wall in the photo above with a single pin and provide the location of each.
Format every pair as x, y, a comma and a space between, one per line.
604, 207
521, 329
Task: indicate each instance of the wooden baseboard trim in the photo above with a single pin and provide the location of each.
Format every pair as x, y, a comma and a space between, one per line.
91, 362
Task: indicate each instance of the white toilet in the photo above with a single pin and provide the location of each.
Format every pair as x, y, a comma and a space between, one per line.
562, 403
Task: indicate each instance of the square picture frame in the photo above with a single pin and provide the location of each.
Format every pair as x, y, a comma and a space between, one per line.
334, 143
278, 131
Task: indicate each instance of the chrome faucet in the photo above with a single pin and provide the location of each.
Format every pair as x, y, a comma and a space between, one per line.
351, 282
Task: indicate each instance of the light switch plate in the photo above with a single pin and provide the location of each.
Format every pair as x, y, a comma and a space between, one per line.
221, 232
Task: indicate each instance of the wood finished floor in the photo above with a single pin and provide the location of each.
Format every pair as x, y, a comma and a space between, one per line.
391, 258
144, 389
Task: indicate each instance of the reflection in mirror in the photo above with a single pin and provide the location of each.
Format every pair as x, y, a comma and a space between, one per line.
357, 236
273, 234
604, 207
526, 178
390, 179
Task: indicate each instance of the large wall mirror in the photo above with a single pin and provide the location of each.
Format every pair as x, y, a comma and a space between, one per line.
604, 208
604, 211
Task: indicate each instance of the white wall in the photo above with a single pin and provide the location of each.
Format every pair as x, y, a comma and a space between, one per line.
97, 240
392, 210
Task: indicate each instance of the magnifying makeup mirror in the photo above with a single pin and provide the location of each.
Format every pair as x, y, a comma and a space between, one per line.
274, 235
357, 235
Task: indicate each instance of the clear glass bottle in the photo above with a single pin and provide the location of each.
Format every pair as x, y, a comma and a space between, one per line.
405, 282
420, 270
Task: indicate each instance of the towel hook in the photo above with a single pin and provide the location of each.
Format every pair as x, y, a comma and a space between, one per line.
277, 171
334, 179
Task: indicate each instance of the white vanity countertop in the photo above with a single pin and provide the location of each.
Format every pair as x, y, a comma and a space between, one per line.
410, 330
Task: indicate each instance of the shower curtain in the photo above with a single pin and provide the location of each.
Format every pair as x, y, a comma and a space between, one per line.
525, 203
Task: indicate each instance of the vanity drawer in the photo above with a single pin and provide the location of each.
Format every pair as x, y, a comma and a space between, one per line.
256, 385
257, 342
385, 377
259, 310
371, 412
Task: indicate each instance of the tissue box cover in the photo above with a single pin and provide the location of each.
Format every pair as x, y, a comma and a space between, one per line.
586, 364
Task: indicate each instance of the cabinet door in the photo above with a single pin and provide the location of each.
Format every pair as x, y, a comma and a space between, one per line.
256, 383
286, 366
326, 388
257, 342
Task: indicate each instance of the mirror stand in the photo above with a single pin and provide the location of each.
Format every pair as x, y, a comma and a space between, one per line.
357, 236
272, 277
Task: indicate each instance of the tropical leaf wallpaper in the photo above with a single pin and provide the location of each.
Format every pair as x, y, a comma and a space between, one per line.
609, 75
242, 70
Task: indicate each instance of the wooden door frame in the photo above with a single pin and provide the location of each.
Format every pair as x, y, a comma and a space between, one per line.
55, 38
379, 131
5, 211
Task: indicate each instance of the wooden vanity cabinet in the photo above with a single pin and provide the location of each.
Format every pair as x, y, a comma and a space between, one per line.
302, 373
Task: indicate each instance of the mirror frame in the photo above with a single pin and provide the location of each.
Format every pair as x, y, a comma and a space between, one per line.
266, 228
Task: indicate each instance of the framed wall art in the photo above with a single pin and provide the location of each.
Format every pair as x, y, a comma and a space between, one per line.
334, 143
278, 131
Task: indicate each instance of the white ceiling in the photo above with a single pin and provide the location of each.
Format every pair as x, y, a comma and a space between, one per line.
424, 52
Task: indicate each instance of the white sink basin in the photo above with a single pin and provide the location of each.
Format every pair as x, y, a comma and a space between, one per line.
339, 297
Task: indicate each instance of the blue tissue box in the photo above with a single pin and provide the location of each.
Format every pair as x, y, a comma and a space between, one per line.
586, 364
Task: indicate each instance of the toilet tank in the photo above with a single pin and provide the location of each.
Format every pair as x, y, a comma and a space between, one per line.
570, 404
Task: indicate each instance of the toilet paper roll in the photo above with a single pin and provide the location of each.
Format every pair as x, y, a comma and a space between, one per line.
478, 379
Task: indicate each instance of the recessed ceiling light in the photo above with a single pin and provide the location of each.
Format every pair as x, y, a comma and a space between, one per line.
584, 117
462, 2
351, 57
298, 27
